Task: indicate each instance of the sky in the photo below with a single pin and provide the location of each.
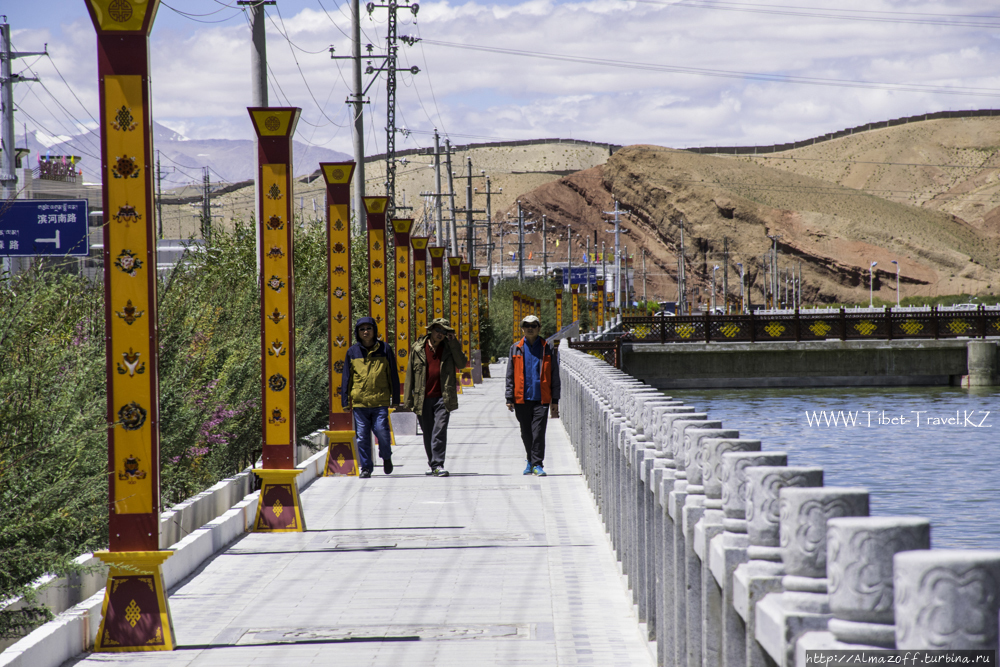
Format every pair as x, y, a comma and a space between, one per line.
676, 73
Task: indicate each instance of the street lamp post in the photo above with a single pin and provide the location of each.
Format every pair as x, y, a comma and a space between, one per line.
743, 304
714, 269
897, 282
871, 285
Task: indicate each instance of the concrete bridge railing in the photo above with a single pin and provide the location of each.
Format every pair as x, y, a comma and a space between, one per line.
737, 559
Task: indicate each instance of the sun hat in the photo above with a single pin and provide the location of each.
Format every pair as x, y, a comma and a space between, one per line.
441, 323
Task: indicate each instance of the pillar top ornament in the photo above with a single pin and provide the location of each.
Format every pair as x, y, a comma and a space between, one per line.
274, 122
123, 16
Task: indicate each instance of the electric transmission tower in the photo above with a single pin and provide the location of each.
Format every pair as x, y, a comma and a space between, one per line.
390, 69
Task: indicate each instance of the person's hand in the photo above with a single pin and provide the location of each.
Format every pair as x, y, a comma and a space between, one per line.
510, 407
451, 336
554, 411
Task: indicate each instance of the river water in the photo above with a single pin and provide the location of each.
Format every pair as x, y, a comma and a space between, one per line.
920, 451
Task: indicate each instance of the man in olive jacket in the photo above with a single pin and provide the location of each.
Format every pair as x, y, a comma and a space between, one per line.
430, 389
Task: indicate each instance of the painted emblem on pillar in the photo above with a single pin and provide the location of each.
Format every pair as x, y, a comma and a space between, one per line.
274, 223
276, 284
123, 121
120, 11
274, 192
377, 281
276, 417
130, 473
377, 299
132, 416
277, 349
377, 263
127, 214
132, 364
277, 382
402, 353
338, 366
128, 262
129, 314
272, 123
275, 252
339, 318
340, 341
339, 270
338, 225
339, 293
125, 167
339, 248
275, 316
377, 246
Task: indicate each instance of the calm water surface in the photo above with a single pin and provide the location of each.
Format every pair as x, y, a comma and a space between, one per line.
942, 464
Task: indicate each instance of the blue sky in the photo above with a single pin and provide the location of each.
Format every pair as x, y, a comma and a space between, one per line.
863, 52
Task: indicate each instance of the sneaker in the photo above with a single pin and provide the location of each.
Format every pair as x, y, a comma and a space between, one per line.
527, 469
365, 474
539, 471
440, 472
432, 471
387, 466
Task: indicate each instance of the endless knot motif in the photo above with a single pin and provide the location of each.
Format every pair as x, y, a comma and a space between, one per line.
272, 123
376, 246
132, 613
685, 330
959, 326
774, 329
120, 11
274, 192
820, 329
124, 122
640, 331
278, 508
911, 327
729, 330
338, 225
865, 327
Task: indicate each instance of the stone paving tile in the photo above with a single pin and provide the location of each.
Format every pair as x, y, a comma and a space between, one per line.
486, 567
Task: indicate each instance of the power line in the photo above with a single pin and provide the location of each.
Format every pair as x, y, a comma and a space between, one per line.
193, 17
729, 74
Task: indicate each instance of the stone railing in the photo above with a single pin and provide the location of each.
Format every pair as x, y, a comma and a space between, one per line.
736, 558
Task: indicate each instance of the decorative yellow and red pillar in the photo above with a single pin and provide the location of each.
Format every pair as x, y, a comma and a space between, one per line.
559, 310
419, 244
454, 281
575, 291
135, 615
437, 282
378, 308
601, 299
341, 456
484, 299
401, 237
279, 509
515, 316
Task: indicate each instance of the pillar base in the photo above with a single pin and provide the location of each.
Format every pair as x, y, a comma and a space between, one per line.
341, 455
135, 615
279, 509
465, 377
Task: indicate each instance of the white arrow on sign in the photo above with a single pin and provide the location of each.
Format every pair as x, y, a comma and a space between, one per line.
55, 240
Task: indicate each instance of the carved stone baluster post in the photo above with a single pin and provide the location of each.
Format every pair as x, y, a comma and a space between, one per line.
705, 530
729, 550
859, 569
804, 604
762, 573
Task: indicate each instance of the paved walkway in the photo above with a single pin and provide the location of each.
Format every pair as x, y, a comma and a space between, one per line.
486, 567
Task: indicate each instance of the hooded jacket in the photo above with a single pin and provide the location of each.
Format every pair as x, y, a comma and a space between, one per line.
369, 378
452, 360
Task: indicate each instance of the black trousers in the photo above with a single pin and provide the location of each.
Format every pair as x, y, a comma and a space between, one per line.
434, 424
533, 418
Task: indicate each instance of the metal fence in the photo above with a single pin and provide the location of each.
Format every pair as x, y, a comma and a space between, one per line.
886, 325
608, 351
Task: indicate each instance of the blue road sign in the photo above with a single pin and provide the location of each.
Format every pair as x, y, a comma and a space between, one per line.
44, 227
580, 275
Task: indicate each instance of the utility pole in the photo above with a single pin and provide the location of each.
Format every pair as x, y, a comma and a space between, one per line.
206, 208
358, 130
437, 189
682, 273
520, 242
545, 252
569, 258
469, 234
774, 265
586, 269
643, 274
453, 228
725, 274
618, 258
159, 196
489, 235
8, 168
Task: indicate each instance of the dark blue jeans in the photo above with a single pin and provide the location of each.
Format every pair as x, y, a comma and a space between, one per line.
367, 420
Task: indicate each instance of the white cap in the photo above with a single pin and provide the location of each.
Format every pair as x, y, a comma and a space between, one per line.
530, 319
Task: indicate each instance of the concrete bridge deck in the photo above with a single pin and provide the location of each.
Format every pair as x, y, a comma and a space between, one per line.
486, 567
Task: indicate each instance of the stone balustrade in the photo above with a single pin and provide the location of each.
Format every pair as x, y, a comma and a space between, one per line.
737, 559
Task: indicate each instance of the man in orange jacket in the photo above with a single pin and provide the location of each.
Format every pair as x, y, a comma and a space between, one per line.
533, 390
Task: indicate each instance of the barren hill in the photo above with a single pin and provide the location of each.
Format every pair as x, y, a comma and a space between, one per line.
837, 206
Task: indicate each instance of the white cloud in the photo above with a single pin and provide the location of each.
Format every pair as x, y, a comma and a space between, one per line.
201, 73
